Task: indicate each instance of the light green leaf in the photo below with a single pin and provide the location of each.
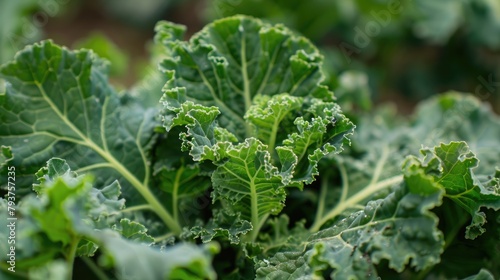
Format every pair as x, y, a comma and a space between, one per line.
267, 114
322, 131
133, 231
57, 270
138, 261
367, 172
60, 214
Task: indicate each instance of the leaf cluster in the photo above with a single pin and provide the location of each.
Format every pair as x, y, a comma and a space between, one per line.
242, 166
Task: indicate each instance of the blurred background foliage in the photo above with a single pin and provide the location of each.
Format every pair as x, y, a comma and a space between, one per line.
376, 50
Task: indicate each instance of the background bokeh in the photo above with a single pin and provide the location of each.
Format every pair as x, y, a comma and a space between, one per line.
399, 51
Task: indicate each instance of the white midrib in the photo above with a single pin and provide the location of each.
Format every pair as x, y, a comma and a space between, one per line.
139, 186
373, 187
254, 203
246, 83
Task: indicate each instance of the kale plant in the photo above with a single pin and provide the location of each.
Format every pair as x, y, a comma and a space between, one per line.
234, 161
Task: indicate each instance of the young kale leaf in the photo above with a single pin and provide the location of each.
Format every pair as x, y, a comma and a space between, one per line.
250, 98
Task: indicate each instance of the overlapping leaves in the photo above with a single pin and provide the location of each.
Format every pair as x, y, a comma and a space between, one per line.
251, 100
398, 228
70, 111
59, 103
70, 218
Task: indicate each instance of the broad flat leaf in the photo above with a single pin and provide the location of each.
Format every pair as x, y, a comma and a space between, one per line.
58, 102
138, 261
399, 228
451, 166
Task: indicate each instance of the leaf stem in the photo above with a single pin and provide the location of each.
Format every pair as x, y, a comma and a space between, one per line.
146, 193
372, 187
163, 237
175, 192
355, 199
322, 197
246, 84
255, 211
70, 257
380, 165
272, 139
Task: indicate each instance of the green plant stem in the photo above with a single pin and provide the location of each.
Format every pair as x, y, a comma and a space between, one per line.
322, 196
355, 199
70, 256
175, 192
256, 228
272, 139
146, 193
255, 211
142, 188
163, 237
372, 187
246, 84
